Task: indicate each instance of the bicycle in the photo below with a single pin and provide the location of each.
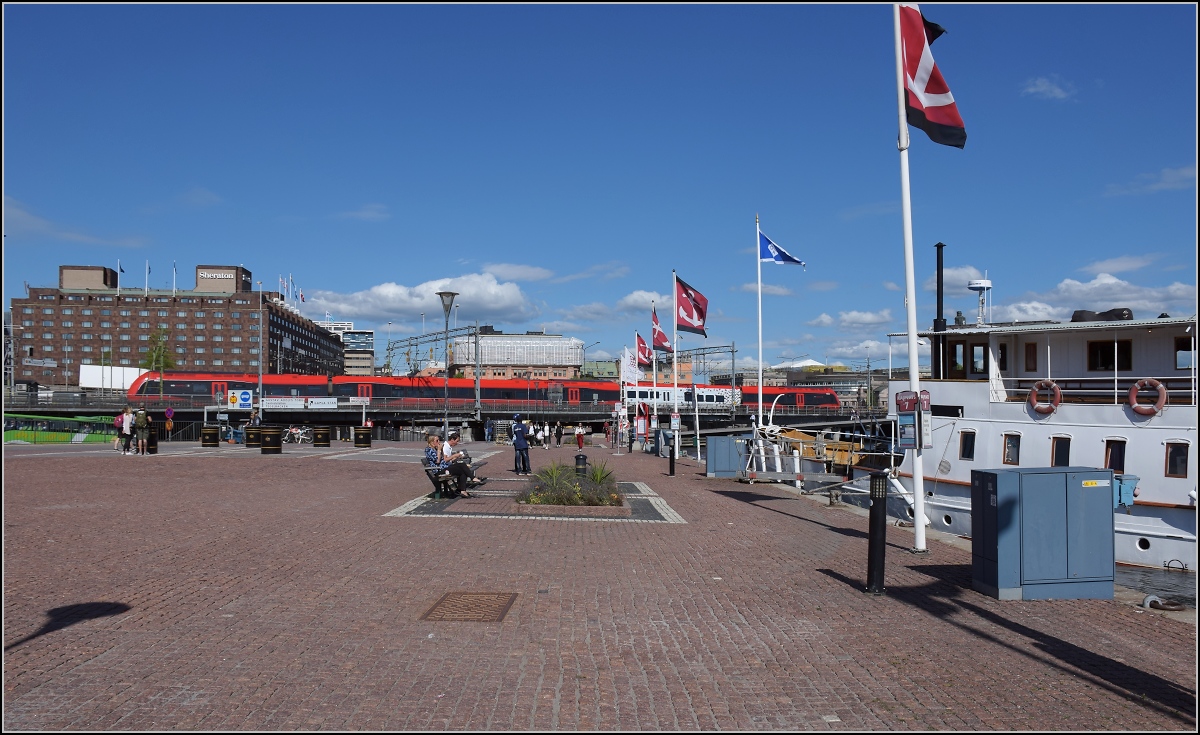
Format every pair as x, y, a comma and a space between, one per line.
298, 435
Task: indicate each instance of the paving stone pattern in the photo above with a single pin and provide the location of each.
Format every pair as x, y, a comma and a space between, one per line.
226, 590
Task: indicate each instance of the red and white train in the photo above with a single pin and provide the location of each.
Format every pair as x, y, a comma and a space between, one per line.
491, 391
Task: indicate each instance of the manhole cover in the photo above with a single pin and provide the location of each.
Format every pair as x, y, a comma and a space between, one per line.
474, 607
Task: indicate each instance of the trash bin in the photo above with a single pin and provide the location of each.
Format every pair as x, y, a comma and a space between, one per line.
362, 437
210, 436
581, 464
272, 440
320, 436
253, 437
152, 442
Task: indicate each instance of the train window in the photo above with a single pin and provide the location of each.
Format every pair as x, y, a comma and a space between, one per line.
643, 394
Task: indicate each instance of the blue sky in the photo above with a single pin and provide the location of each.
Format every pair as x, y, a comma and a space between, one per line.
553, 164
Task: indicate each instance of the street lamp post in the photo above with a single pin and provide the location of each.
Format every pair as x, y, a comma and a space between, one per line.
447, 298
387, 351
585, 349
261, 354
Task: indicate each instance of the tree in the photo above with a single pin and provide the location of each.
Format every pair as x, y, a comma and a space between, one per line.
159, 358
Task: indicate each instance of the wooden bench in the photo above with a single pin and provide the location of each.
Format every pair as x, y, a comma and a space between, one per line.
444, 484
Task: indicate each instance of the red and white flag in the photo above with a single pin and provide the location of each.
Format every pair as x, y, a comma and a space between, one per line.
691, 308
657, 336
928, 102
644, 356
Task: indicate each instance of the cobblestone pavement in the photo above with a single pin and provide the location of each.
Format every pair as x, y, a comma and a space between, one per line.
222, 589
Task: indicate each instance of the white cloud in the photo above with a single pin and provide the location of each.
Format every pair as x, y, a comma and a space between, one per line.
367, 213
515, 272
199, 197
1120, 264
604, 271
870, 348
852, 319
639, 302
1168, 179
480, 296
19, 221
767, 289
1052, 87
891, 286
593, 312
822, 321
1102, 293
955, 279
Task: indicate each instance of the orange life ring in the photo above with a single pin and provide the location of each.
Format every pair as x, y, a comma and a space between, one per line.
1055, 396
1143, 409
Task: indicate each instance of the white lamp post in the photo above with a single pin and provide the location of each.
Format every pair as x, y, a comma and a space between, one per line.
447, 298
261, 343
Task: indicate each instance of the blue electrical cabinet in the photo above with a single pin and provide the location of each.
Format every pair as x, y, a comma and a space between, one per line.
725, 455
1042, 533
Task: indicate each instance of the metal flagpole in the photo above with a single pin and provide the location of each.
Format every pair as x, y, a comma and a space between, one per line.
675, 360
758, 258
910, 291
147, 291
653, 369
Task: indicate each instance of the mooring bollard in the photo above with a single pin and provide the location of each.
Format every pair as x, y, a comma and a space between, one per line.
877, 533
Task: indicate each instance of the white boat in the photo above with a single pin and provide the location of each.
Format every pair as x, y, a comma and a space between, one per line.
1117, 394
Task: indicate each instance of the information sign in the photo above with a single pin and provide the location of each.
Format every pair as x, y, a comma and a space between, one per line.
327, 402
906, 427
281, 402
674, 422
360, 400
245, 400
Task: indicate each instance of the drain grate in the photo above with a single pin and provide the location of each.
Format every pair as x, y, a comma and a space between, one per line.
472, 607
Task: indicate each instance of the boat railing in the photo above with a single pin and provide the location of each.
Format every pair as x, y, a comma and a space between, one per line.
1181, 390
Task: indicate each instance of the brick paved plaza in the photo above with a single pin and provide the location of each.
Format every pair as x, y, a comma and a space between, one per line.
221, 589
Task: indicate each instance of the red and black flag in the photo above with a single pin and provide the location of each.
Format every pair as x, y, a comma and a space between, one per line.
644, 356
691, 309
928, 101
658, 336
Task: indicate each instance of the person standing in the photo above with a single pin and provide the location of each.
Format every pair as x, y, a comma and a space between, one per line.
487, 431
579, 435
126, 431
118, 428
520, 446
255, 419
558, 432
141, 424
548, 433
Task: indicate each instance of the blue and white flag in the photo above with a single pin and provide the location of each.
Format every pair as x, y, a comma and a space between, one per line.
769, 251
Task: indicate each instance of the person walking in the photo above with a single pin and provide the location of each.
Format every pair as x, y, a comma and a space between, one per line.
118, 428
558, 432
520, 446
579, 435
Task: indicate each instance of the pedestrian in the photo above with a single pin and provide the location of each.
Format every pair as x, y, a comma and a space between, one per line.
141, 423
541, 437
548, 433
579, 435
118, 426
255, 419
488, 430
126, 431
558, 432
520, 446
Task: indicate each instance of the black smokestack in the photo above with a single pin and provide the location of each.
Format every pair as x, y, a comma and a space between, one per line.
937, 344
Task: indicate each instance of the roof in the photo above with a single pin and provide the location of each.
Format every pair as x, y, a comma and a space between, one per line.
1036, 327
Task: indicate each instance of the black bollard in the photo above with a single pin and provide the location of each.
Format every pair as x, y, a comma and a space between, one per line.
581, 464
877, 533
671, 454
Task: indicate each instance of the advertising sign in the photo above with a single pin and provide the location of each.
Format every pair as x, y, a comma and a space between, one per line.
281, 402
327, 402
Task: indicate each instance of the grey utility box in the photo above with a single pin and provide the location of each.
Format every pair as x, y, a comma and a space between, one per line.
725, 455
1042, 533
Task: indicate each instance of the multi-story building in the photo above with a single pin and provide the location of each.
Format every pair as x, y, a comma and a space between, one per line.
90, 319
358, 346
535, 355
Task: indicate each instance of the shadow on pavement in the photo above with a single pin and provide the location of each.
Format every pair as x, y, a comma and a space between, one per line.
68, 615
947, 595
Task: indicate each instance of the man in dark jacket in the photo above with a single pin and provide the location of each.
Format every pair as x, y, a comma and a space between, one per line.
520, 446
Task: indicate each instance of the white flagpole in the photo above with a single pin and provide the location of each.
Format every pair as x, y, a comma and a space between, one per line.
910, 290
147, 291
118, 276
172, 278
758, 259
653, 366
675, 358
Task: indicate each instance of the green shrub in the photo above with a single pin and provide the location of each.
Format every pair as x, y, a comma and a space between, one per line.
557, 484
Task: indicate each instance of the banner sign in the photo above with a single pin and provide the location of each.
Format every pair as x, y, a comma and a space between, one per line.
278, 402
